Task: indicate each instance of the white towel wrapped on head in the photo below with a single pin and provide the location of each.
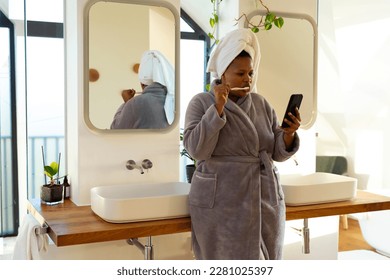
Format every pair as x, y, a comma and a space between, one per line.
28, 244
231, 45
154, 67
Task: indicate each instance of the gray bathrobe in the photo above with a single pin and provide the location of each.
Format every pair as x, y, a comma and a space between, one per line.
236, 201
143, 111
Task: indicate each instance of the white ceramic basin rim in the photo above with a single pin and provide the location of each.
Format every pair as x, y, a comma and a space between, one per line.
318, 187
140, 202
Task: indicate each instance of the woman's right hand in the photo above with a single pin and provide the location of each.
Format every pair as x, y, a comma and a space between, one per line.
221, 93
128, 94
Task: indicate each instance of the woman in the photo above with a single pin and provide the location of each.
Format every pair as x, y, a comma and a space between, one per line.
236, 202
154, 108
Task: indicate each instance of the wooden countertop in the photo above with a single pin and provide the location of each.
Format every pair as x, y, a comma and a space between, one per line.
69, 224
364, 202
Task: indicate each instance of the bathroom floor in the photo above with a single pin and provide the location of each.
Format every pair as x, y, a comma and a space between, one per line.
6, 247
352, 238
352, 245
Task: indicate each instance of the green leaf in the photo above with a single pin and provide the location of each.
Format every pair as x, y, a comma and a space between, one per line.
51, 170
270, 17
54, 165
208, 87
267, 26
216, 18
279, 22
212, 22
255, 29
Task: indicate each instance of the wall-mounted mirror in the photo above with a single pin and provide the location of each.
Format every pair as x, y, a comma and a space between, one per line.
289, 64
116, 35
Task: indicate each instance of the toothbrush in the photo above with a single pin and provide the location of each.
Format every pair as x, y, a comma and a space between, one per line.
239, 88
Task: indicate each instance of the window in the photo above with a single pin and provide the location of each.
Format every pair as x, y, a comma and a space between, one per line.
45, 86
194, 51
9, 214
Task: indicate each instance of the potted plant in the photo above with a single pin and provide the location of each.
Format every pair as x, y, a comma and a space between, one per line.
190, 168
52, 193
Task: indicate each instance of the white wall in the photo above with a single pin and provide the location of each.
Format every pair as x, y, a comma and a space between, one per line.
201, 10
12, 9
99, 159
354, 87
166, 247
4, 6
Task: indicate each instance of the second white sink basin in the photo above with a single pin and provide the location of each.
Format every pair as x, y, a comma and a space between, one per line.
317, 188
140, 202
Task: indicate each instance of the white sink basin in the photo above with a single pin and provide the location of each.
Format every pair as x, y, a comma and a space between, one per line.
140, 202
317, 188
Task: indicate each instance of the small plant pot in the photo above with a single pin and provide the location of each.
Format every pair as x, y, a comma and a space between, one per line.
52, 195
190, 169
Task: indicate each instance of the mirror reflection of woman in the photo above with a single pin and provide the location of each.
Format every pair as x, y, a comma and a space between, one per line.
154, 107
236, 201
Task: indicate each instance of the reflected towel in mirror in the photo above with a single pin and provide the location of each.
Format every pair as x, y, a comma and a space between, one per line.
154, 67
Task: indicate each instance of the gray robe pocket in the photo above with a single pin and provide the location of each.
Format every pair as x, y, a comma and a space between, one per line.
203, 190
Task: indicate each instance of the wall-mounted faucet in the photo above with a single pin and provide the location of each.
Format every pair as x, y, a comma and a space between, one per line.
130, 164
146, 164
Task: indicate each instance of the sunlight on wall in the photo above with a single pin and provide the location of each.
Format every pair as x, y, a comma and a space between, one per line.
369, 150
354, 86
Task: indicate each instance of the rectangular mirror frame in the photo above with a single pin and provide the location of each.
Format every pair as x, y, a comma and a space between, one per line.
152, 3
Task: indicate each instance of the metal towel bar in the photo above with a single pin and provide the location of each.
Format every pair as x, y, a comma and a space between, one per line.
42, 229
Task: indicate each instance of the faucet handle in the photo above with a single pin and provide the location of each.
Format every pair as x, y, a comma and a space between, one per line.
130, 164
146, 164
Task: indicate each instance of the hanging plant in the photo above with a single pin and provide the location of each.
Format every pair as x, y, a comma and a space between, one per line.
214, 20
266, 21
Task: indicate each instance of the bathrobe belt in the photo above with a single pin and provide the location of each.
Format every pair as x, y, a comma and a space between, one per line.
264, 159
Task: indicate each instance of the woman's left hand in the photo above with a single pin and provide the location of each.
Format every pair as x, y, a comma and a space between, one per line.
289, 132
294, 124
